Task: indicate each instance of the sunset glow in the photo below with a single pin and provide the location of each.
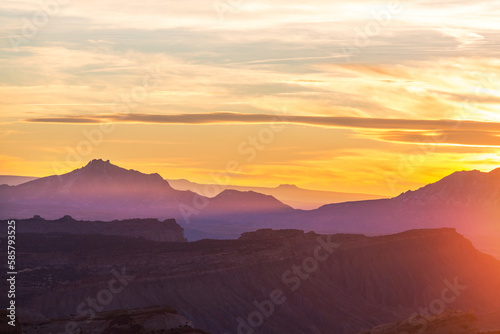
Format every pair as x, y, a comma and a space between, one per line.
98, 78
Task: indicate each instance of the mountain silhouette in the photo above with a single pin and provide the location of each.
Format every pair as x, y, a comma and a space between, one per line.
467, 200
102, 190
289, 194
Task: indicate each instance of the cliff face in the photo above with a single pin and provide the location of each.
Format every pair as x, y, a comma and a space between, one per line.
451, 321
150, 229
152, 320
336, 284
456, 322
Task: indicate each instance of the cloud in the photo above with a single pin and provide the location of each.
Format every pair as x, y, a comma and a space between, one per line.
75, 119
458, 137
326, 121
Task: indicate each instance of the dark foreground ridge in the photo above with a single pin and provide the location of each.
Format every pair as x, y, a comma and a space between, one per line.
450, 321
151, 320
148, 228
338, 283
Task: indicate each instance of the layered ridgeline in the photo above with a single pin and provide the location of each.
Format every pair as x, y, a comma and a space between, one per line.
101, 190
264, 282
151, 320
148, 228
468, 201
456, 322
287, 193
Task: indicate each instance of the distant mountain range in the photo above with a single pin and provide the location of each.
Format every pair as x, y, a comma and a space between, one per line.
101, 190
13, 180
289, 194
468, 201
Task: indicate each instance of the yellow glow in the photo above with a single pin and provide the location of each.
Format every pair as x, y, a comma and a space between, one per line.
260, 58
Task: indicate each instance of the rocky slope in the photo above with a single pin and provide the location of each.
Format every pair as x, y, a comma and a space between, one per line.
332, 284
150, 229
451, 321
103, 191
468, 201
152, 320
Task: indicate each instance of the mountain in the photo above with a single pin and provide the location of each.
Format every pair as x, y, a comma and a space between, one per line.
452, 321
13, 180
241, 202
101, 190
160, 319
298, 282
468, 201
459, 188
98, 190
150, 229
287, 193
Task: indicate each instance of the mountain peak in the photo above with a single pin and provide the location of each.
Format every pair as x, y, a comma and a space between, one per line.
105, 167
287, 186
101, 167
234, 200
461, 187
96, 162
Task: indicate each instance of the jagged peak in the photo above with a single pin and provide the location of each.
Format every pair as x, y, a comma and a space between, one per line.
105, 166
99, 162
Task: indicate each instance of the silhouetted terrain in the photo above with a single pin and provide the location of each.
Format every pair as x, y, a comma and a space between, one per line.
103, 191
287, 193
151, 229
455, 322
14, 180
152, 320
468, 201
335, 284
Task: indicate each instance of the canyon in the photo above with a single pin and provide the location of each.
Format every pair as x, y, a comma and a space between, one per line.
342, 283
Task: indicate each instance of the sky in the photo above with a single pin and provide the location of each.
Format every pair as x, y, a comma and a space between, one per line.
357, 96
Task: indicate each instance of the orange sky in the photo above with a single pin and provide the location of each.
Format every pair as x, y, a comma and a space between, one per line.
328, 95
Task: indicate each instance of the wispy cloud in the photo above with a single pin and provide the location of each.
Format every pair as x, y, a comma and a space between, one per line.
325, 121
426, 77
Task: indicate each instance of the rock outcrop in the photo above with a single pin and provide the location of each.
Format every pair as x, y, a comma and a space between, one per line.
151, 320
338, 283
149, 228
451, 321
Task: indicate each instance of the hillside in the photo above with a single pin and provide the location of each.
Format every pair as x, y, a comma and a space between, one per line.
362, 283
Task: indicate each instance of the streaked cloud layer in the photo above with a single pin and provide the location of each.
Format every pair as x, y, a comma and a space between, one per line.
360, 83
